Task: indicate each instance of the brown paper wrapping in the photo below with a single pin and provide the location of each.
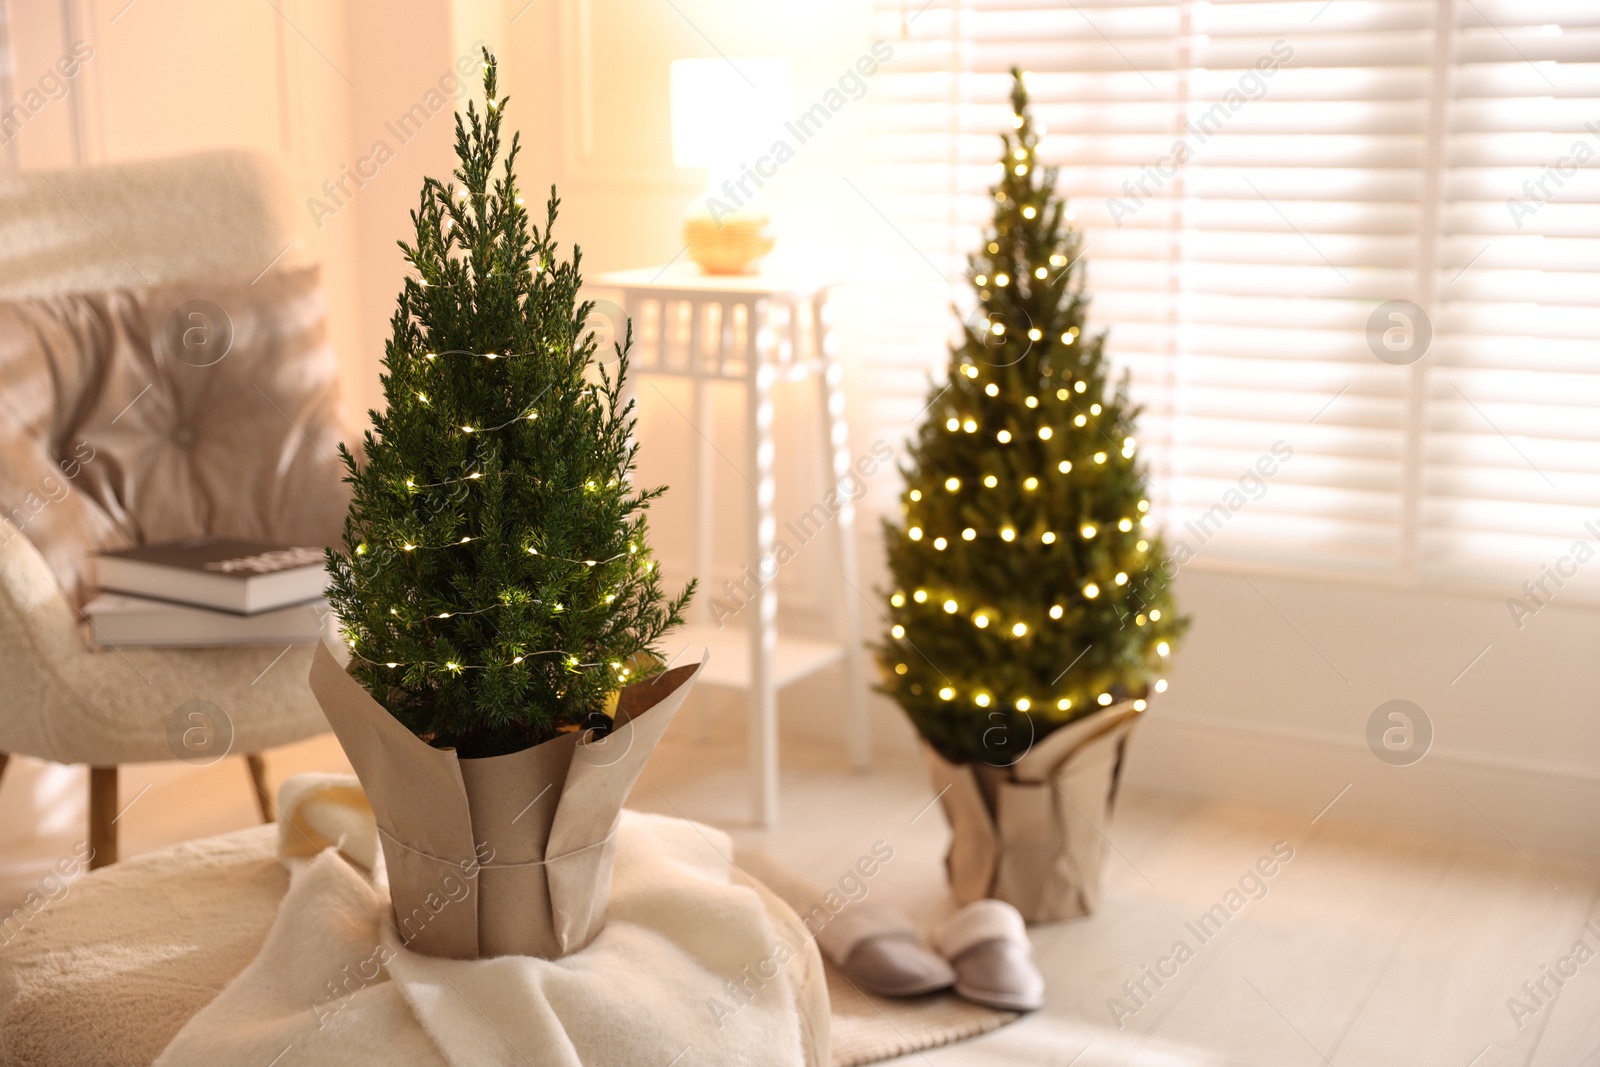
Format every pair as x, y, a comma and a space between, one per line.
506, 855
1032, 834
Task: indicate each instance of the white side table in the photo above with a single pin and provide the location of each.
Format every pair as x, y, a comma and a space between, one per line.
757, 329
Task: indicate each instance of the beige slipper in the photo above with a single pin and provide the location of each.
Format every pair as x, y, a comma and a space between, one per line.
879, 950
987, 944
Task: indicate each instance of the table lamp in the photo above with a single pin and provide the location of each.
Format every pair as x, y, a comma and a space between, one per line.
727, 115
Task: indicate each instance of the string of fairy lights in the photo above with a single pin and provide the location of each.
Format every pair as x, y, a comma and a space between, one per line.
982, 617
412, 486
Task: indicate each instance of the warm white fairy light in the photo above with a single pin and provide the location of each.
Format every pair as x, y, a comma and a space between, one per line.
1035, 334
1142, 546
1002, 279
982, 700
915, 494
1161, 685
990, 481
1019, 629
1056, 611
952, 484
1078, 387
920, 596
1045, 433
1162, 648
1091, 590
947, 693
997, 328
1088, 530
1066, 338
1004, 437
1048, 537
1124, 525
1023, 703
897, 630
898, 600
1008, 534
900, 668
1030, 484
1104, 699
982, 279
1155, 613
951, 607
1065, 466
980, 620
940, 543
1094, 409
1122, 578
992, 389
968, 534
970, 371
1099, 457
952, 424
1040, 273
915, 533
1031, 402
1139, 705
969, 426
1080, 421
1144, 505
1063, 704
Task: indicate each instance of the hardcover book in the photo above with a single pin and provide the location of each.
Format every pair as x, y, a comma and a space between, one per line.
135, 622
243, 577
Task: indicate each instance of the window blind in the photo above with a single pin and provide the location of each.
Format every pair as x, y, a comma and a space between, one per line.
1258, 182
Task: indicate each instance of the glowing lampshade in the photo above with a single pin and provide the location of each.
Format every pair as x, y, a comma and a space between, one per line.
725, 112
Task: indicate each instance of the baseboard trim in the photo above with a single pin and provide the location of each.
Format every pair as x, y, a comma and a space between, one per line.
1533, 804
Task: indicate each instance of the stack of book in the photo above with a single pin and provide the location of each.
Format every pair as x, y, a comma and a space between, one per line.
208, 592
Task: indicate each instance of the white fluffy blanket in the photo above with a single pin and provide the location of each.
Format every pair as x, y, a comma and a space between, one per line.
333, 984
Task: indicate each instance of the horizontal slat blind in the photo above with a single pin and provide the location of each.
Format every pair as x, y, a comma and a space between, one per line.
1513, 419
1333, 157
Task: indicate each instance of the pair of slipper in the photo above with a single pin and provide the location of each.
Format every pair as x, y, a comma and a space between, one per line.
982, 951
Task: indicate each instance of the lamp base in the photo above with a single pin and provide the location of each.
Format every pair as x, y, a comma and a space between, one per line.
731, 245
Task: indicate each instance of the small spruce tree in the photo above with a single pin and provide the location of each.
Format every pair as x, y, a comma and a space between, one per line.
1029, 587
496, 584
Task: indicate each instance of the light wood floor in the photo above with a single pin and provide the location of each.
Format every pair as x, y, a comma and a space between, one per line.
1370, 947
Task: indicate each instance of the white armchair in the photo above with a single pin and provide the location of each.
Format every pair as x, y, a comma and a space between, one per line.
111, 436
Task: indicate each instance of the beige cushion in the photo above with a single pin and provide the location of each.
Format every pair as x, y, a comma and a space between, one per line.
153, 414
158, 413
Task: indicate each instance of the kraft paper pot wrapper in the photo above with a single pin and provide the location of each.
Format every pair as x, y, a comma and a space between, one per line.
1032, 833
505, 855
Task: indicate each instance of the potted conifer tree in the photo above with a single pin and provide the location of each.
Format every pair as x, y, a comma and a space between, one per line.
1030, 615
496, 586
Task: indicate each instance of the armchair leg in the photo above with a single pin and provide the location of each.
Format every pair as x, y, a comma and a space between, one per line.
102, 816
258, 778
